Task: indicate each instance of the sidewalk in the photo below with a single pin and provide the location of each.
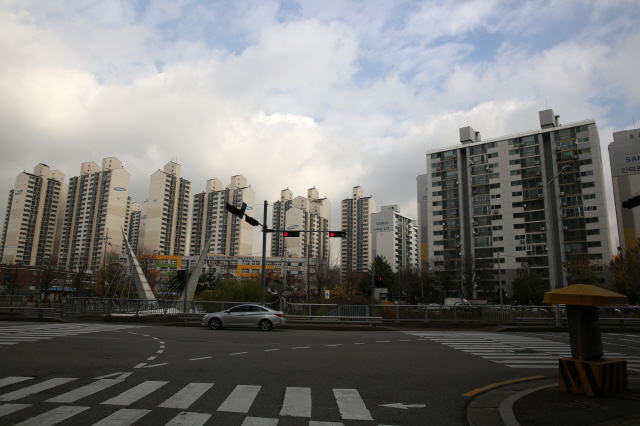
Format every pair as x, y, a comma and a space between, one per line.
539, 403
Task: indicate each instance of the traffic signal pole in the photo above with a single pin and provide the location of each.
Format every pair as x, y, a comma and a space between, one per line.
264, 253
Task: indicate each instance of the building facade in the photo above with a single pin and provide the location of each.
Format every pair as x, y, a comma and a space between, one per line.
356, 246
395, 237
164, 230
34, 218
212, 225
625, 172
135, 212
312, 215
96, 212
532, 200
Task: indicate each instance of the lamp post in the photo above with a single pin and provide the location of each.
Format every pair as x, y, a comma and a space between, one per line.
553, 245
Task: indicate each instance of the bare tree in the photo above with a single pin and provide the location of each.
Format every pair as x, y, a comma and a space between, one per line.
323, 276
15, 278
349, 283
148, 264
49, 274
444, 272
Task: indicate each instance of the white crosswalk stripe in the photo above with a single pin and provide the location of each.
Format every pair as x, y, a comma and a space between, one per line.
13, 335
511, 351
296, 402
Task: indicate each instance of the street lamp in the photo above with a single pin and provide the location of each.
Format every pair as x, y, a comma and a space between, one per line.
553, 234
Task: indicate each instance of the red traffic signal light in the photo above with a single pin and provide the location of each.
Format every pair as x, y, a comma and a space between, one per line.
339, 234
292, 234
379, 279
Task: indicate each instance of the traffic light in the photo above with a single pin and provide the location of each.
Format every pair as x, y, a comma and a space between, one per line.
291, 234
631, 202
339, 234
379, 280
181, 275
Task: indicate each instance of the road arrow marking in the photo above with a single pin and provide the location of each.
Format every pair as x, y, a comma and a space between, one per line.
403, 406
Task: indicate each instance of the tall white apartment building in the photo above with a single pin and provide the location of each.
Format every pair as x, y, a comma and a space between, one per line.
395, 237
311, 214
33, 221
356, 246
134, 225
506, 198
232, 236
97, 210
624, 157
164, 230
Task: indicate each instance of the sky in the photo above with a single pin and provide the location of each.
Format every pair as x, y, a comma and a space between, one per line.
300, 94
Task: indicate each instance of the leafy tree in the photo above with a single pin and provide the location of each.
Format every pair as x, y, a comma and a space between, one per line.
626, 272
383, 269
526, 287
581, 270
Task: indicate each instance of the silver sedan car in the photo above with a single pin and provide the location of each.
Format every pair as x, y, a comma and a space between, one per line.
245, 316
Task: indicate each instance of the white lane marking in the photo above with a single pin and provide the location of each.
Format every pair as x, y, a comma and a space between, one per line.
337, 344
160, 351
259, 421
301, 347
54, 416
161, 342
123, 417
240, 400
155, 365
154, 338
142, 364
161, 346
11, 408
359, 343
187, 395
239, 353
297, 402
151, 358
204, 357
146, 335
404, 340
11, 380
83, 391
189, 419
269, 350
123, 376
132, 332
327, 424
30, 390
527, 361
135, 393
351, 405
383, 341
107, 375
531, 366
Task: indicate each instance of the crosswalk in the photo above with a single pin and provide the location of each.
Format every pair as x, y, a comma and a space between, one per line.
13, 335
512, 350
118, 396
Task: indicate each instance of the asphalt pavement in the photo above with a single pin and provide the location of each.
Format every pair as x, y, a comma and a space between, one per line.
82, 372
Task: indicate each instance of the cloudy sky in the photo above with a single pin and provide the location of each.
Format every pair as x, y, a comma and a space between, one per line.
331, 94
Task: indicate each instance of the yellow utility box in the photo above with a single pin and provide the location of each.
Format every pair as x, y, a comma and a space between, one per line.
587, 371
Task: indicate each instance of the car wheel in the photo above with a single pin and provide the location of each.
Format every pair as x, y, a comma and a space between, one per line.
265, 325
215, 324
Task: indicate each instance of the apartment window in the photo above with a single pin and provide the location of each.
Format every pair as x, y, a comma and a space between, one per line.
593, 232
589, 196
590, 220
516, 183
516, 194
594, 244
518, 215
589, 185
587, 173
590, 208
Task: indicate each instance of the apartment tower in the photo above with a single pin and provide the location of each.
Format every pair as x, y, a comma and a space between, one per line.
232, 236
33, 220
164, 230
356, 246
395, 237
97, 210
531, 200
134, 225
624, 157
311, 215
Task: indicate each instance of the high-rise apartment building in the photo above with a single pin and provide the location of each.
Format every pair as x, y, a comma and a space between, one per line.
395, 237
134, 225
164, 230
34, 217
356, 246
311, 215
624, 157
529, 200
231, 235
97, 210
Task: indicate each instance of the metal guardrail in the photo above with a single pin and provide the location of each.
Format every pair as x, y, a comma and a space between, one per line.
386, 313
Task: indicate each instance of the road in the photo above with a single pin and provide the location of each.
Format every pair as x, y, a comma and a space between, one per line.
120, 374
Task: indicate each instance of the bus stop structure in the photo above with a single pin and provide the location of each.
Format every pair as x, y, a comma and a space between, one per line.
587, 371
